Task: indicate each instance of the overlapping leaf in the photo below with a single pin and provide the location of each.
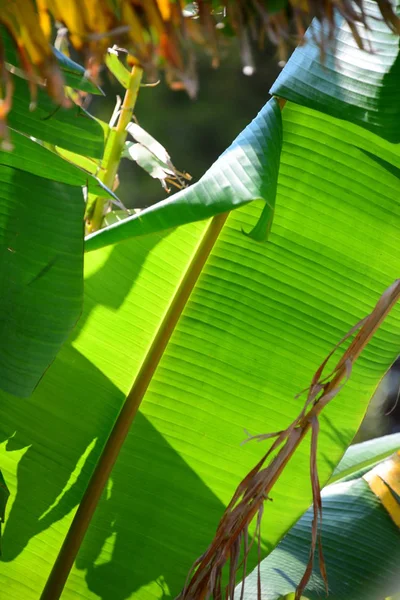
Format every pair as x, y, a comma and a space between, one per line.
359, 458
41, 230
359, 85
361, 542
345, 82
245, 172
31, 156
39, 215
72, 128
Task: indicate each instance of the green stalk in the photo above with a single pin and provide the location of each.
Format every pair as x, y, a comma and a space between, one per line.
115, 145
73, 540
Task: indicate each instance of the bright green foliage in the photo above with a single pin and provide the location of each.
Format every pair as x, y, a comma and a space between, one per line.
259, 322
350, 84
360, 458
360, 541
116, 67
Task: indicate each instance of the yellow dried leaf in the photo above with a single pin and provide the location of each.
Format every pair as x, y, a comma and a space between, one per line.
165, 9
384, 478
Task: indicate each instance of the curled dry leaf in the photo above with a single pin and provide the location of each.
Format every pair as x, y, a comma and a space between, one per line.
153, 158
205, 578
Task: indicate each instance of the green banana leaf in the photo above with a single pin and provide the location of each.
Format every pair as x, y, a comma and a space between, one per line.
31, 156
361, 543
349, 83
41, 233
20, 302
259, 322
359, 458
346, 82
73, 129
41, 265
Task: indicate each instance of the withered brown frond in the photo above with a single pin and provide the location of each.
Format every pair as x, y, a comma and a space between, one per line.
205, 578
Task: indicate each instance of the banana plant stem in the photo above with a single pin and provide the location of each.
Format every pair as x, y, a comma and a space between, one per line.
66, 557
115, 144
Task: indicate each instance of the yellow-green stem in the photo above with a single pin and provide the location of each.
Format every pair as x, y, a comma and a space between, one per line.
66, 557
115, 145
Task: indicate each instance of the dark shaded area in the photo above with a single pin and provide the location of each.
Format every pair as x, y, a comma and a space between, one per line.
391, 406
383, 163
40, 501
41, 287
383, 414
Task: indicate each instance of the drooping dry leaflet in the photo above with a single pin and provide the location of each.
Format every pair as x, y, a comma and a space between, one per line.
232, 535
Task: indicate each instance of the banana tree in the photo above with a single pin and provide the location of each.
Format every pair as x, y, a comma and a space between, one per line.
198, 322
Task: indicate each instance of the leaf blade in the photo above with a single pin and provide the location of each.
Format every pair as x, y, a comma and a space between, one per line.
30, 156
363, 456
73, 129
346, 84
41, 258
